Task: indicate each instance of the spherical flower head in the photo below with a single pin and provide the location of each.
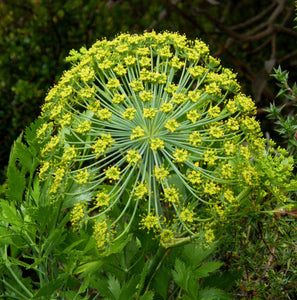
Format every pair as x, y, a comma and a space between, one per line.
171, 195
150, 113
133, 156
166, 107
166, 236
118, 98
113, 173
150, 222
193, 115
137, 132
161, 173
187, 215
156, 144
140, 190
172, 125
102, 198
129, 113
195, 138
148, 125
146, 96
181, 155
195, 177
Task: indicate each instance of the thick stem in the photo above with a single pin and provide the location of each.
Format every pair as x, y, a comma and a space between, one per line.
154, 266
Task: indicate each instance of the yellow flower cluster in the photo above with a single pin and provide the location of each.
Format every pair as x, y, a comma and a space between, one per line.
100, 234
77, 215
153, 118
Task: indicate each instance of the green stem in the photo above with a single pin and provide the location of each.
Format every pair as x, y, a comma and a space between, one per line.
17, 280
153, 267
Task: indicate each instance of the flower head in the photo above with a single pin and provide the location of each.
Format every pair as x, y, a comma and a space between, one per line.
148, 125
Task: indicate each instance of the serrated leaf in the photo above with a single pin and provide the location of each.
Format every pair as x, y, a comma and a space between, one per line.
16, 181
225, 280
129, 288
35, 191
114, 286
207, 268
73, 295
31, 137
23, 155
9, 214
181, 274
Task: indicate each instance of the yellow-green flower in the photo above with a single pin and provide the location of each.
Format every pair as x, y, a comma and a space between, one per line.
193, 115
113, 173
172, 125
150, 222
171, 195
187, 215
161, 173
141, 190
146, 96
102, 198
137, 132
129, 113
82, 176
133, 156
151, 126
149, 113
77, 215
156, 144
181, 155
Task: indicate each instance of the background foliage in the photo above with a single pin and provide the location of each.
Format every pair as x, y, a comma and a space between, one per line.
251, 37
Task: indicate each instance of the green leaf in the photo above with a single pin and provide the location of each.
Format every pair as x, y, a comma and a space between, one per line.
181, 274
195, 255
129, 288
49, 288
35, 191
9, 214
89, 268
161, 281
147, 296
207, 268
31, 137
16, 181
55, 238
114, 286
73, 295
225, 280
85, 284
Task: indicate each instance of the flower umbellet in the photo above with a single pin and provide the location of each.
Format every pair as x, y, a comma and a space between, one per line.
153, 126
